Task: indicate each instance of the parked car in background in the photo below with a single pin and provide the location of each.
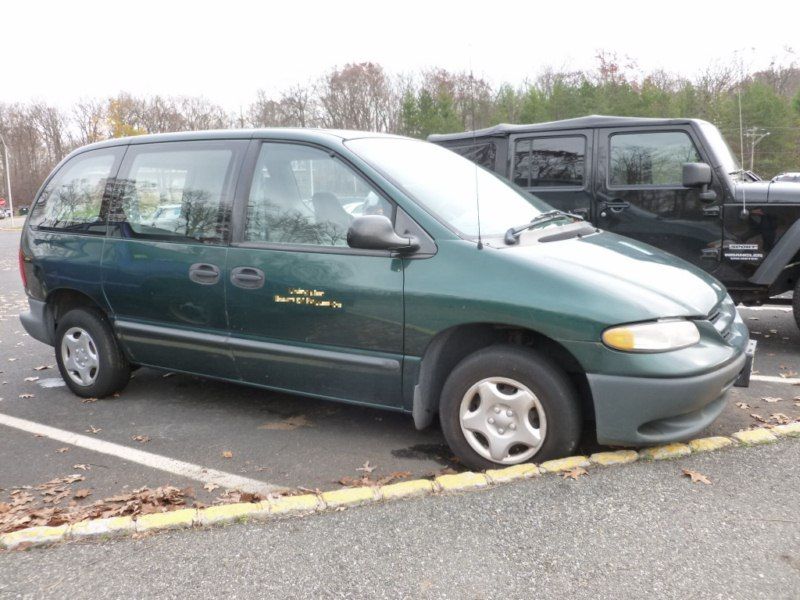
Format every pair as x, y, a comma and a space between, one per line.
514, 339
672, 183
788, 177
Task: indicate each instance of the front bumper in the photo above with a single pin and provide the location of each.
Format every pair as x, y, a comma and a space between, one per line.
633, 411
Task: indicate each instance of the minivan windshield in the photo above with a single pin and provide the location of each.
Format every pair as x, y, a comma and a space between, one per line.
446, 184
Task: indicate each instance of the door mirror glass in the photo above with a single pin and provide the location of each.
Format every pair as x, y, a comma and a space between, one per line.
376, 232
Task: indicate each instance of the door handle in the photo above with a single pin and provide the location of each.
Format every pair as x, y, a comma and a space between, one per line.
248, 278
614, 205
711, 211
204, 274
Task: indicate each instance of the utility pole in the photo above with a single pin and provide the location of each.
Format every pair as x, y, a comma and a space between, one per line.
8, 178
755, 135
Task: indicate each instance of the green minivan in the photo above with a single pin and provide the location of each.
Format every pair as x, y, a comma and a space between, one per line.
375, 270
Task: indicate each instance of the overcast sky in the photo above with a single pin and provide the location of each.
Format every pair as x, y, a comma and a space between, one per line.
226, 50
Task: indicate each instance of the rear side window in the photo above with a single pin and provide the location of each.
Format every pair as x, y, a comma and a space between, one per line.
650, 158
74, 199
550, 161
176, 191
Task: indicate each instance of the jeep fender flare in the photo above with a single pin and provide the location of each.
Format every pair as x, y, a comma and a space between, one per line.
782, 254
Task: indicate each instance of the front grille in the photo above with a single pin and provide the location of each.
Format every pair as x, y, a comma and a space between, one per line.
723, 316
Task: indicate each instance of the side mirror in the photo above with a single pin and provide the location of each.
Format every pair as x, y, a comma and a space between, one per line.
376, 232
699, 175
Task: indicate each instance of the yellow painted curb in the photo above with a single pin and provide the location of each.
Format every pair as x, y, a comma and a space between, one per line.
665, 452
788, 430
461, 481
524, 471
348, 497
608, 459
405, 489
294, 504
225, 513
99, 527
175, 519
752, 437
710, 444
564, 464
310, 503
33, 535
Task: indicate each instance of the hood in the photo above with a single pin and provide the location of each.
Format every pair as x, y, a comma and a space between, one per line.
627, 280
768, 191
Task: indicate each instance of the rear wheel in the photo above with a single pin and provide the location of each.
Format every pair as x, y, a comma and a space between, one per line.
506, 405
88, 356
796, 304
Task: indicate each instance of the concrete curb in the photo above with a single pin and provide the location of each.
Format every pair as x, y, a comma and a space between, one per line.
348, 497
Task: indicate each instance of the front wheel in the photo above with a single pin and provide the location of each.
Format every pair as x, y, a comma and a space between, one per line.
505, 405
88, 356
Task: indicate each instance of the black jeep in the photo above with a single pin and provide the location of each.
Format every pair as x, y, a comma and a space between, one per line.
673, 183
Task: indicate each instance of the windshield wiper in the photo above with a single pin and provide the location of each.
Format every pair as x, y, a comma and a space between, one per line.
551, 215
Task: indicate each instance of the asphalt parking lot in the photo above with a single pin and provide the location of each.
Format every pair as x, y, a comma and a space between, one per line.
256, 438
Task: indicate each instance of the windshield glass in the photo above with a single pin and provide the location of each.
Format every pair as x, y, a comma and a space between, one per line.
720, 147
445, 184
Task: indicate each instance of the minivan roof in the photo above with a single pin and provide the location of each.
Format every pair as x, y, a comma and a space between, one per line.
587, 122
287, 133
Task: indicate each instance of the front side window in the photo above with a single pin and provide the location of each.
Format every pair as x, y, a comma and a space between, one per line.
650, 158
175, 191
73, 200
304, 195
550, 161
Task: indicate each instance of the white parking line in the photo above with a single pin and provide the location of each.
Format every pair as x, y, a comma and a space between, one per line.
778, 308
773, 379
148, 459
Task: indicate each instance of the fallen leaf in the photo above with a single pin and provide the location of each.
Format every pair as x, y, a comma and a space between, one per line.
771, 399
87, 400
93, 429
780, 418
743, 405
82, 493
26, 396
41, 367
31, 379
788, 374
82, 467
227, 454
366, 468
62, 450
696, 477
142, 439
575, 473
210, 487
288, 424
758, 418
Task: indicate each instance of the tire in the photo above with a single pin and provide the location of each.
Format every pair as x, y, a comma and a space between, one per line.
796, 304
507, 377
88, 356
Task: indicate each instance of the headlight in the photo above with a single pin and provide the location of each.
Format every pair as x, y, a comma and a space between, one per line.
659, 336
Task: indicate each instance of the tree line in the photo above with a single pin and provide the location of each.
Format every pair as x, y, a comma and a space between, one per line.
364, 96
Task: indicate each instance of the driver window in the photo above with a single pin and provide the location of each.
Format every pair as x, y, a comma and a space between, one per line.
304, 195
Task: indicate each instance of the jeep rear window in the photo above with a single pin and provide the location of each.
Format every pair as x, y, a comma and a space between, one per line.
550, 161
